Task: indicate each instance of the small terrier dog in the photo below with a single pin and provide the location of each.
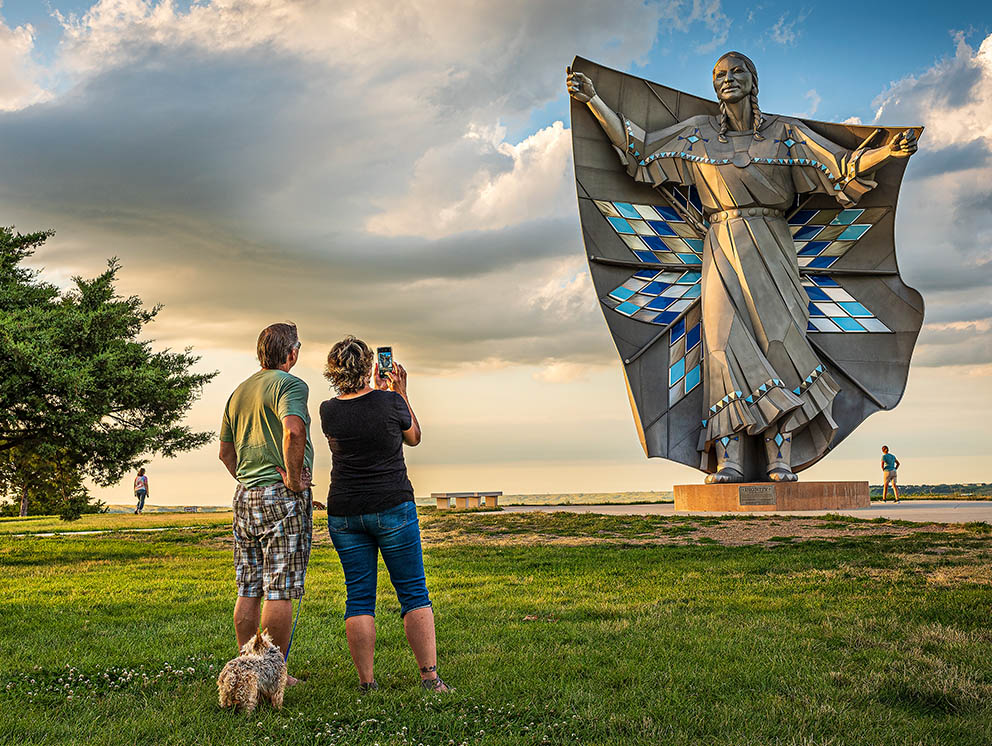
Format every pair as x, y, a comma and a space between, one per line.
260, 669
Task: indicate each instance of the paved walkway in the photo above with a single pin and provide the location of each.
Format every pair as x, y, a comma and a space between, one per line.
91, 532
922, 511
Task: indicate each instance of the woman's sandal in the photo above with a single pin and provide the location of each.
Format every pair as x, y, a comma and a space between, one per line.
368, 686
433, 685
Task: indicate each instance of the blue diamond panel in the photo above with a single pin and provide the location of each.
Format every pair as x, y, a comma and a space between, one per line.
833, 309
688, 198
656, 297
685, 355
655, 234
627, 210
801, 217
822, 237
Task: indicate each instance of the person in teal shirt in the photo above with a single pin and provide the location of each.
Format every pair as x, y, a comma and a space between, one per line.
889, 465
265, 445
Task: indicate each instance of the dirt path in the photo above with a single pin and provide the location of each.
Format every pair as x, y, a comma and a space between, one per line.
921, 511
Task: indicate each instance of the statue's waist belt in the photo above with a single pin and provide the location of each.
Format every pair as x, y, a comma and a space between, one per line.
747, 212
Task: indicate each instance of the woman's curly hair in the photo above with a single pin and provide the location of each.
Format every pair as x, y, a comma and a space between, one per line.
349, 365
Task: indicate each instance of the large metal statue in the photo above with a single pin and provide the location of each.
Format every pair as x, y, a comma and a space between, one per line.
766, 317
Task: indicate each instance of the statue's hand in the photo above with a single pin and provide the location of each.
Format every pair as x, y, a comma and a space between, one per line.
903, 145
579, 86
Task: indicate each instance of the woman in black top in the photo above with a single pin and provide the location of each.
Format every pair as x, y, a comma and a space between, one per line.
370, 506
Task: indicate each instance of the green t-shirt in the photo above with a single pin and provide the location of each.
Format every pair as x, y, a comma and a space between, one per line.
253, 422
890, 462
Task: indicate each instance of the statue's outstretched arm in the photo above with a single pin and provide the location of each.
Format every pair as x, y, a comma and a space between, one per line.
580, 88
903, 145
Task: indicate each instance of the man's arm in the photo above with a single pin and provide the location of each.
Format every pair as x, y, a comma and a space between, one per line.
294, 443
229, 456
897, 463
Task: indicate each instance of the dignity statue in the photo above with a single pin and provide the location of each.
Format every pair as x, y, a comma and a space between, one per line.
766, 317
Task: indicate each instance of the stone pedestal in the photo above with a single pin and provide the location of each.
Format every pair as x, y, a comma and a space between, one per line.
769, 496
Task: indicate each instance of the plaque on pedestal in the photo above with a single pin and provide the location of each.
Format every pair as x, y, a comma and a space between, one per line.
771, 496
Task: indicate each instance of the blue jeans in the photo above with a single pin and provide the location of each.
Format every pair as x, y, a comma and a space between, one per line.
358, 540
140, 494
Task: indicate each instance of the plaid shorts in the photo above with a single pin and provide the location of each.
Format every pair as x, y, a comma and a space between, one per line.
273, 529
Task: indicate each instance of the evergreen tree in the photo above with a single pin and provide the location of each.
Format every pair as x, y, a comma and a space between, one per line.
81, 396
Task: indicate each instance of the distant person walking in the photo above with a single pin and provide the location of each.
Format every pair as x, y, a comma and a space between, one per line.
140, 490
889, 465
370, 508
265, 444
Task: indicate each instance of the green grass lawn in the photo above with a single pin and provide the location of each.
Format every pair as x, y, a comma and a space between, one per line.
111, 522
555, 628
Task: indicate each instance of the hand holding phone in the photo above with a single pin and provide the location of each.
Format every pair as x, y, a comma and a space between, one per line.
384, 356
383, 367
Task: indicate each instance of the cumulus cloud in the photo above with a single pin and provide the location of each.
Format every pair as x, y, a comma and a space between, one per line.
953, 97
19, 76
342, 163
784, 30
516, 183
465, 54
555, 371
709, 13
945, 218
813, 100
333, 161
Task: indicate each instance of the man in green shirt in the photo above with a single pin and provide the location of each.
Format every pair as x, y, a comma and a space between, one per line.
265, 445
889, 465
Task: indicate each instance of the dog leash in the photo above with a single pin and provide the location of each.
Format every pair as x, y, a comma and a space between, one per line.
299, 606
289, 645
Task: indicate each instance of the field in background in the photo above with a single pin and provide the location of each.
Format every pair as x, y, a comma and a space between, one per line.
582, 498
980, 491
555, 628
576, 498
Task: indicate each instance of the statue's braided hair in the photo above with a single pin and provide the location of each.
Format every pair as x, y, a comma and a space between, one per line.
756, 112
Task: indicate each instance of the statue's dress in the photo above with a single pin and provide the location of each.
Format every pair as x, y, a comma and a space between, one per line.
759, 368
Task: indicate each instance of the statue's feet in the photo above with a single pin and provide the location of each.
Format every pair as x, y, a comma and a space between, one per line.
725, 476
782, 475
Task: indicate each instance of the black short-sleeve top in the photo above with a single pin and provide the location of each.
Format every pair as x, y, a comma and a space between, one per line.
368, 473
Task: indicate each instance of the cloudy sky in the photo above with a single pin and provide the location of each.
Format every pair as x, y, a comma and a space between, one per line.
402, 171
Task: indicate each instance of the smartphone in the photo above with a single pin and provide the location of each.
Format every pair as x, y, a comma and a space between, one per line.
384, 355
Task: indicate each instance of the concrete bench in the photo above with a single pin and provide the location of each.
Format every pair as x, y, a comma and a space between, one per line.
466, 499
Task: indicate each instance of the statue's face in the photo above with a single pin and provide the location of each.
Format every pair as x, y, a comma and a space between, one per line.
732, 81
